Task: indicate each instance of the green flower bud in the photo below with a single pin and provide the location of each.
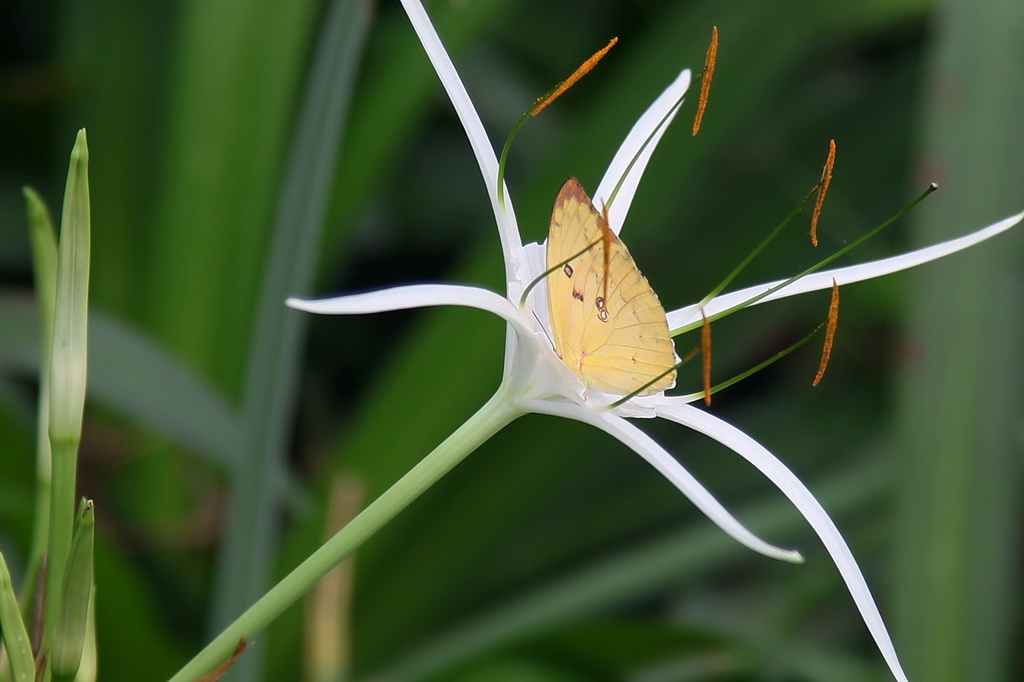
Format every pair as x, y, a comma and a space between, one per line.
67, 361
19, 648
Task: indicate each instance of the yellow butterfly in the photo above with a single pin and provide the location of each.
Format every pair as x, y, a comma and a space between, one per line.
608, 325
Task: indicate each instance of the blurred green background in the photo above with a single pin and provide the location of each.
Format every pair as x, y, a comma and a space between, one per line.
242, 152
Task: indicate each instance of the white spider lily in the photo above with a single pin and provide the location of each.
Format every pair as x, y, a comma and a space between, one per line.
536, 380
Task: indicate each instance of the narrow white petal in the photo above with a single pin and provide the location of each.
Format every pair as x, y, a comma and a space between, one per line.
650, 125
804, 501
668, 466
847, 275
508, 229
413, 296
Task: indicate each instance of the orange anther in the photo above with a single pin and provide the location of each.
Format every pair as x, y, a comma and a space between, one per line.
826, 178
706, 75
579, 73
830, 333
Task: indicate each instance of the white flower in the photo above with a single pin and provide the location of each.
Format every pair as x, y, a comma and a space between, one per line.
536, 380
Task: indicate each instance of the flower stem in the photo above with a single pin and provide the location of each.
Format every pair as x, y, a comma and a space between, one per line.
487, 421
61, 515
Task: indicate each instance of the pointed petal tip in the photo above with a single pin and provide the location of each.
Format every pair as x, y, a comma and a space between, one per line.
790, 556
670, 468
844, 275
787, 482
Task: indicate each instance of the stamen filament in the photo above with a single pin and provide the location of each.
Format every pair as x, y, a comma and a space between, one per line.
629, 167
557, 266
504, 156
728, 382
541, 103
756, 368
814, 268
626, 398
757, 250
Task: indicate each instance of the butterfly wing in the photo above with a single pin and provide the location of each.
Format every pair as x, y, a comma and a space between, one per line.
607, 323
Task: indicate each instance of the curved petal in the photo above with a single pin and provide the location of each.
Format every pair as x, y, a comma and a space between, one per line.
508, 229
853, 273
652, 125
413, 296
804, 501
667, 466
